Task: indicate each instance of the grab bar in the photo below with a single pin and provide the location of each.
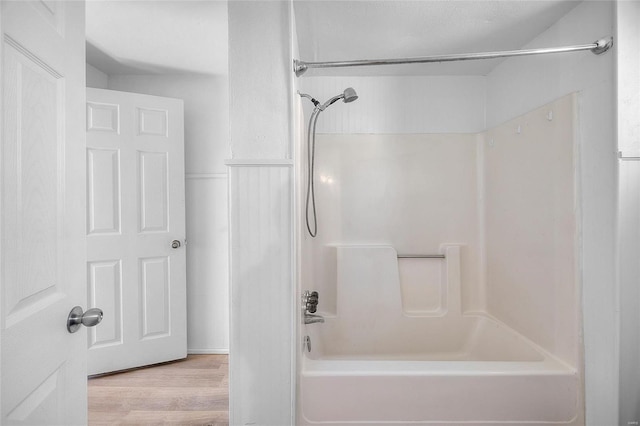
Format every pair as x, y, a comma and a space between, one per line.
421, 256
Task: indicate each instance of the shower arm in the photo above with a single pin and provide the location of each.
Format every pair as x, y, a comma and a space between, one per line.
311, 98
598, 47
330, 102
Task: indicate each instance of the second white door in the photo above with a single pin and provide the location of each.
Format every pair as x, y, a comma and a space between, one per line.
135, 229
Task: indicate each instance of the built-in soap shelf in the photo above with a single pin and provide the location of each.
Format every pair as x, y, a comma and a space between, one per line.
375, 280
423, 286
430, 284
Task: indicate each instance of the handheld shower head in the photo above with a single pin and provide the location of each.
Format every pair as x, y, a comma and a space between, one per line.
349, 95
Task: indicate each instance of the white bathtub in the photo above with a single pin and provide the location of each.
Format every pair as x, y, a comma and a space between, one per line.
374, 363
470, 370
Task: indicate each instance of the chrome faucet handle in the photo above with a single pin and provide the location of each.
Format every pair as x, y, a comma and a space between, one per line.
312, 319
310, 301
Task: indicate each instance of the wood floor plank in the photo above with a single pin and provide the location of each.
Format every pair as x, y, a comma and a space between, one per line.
158, 398
177, 378
193, 391
176, 417
208, 418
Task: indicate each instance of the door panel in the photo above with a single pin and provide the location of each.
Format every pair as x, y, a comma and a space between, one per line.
135, 180
31, 189
105, 288
103, 192
42, 249
152, 192
154, 300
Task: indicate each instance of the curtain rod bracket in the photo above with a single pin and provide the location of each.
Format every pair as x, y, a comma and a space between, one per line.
299, 67
602, 45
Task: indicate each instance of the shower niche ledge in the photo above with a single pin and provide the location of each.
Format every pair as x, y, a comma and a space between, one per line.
375, 278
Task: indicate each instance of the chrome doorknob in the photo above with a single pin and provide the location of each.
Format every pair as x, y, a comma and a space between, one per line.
175, 244
77, 318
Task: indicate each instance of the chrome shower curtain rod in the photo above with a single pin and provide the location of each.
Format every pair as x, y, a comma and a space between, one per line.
597, 47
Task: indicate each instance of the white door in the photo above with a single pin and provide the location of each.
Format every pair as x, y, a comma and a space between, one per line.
135, 229
42, 203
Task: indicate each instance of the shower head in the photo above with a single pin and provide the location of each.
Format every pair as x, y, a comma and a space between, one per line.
349, 95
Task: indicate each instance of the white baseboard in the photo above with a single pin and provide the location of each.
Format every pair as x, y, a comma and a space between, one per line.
223, 351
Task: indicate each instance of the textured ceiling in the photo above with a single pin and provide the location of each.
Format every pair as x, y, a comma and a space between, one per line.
157, 37
181, 36
348, 30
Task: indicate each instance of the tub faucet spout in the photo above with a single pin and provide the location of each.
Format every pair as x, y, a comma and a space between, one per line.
311, 318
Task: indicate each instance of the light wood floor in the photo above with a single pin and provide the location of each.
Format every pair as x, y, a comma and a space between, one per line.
193, 391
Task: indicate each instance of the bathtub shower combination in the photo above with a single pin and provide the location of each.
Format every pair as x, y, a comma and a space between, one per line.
444, 294
372, 363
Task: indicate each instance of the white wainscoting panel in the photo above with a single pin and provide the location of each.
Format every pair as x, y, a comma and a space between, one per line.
261, 294
207, 263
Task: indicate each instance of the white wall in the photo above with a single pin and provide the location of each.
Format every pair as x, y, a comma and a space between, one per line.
262, 374
400, 104
206, 146
519, 85
96, 78
530, 227
206, 113
628, 44
522, 84
300, 250
259, 80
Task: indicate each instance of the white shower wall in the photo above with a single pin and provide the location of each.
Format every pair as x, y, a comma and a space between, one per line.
383, 154
519, 85
507, 196
400, 105
414, 193
530, 226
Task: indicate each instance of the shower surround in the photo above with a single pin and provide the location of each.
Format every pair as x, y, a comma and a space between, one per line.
490, 333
